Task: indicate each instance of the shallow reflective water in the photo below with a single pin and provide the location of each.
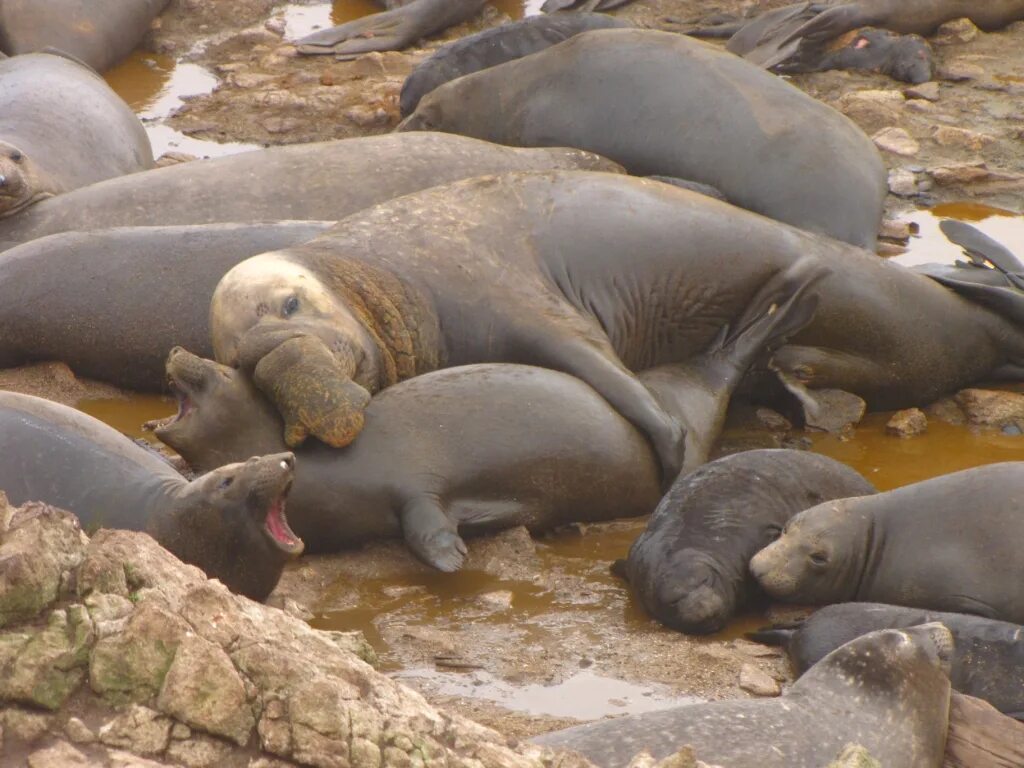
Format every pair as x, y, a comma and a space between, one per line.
931, 246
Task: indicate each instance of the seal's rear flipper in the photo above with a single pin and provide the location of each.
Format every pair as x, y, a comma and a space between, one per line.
432, 535
980, 247
618, 568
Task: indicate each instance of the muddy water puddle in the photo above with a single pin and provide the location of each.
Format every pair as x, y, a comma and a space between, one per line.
127, 415
929, 245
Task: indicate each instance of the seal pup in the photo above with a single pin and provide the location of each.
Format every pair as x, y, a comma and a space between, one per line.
988, 661
915, 546
230, 522
702, 115
390, 30
617, 275
61, 127
98, 32
887, 691
321, 181
689, 567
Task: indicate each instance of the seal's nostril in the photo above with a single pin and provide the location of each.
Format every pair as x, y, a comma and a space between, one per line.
3, 180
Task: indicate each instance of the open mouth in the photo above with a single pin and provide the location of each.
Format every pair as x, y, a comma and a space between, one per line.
276, 526
185, 406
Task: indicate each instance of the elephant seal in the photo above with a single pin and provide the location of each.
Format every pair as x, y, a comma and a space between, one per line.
230, 522
451, 477
914, 546
98, 32
61, 127
496, 46
593, 274
322, 181
390, 30
112, 303
988, 661
700, 114
887, 691
689, 567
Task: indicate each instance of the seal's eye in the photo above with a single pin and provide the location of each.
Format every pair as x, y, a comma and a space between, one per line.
772, 532
819, 558
16, 156
291, 306
224, 484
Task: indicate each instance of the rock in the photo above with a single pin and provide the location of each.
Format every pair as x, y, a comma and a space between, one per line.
60, 755
22, 725
907, 423
895, 229
902, 182
959, 173
946, 410
119, 759
367, 116
959, 71
980, 736
947, 136
39, 545
199, 752
954, 32
834, 411
139, 729
772, 420
872, 110
854, 756
928, 91
500, 600
276, 25
992, 408
509, 555
757, 682
78, 731
897, 141
368, 65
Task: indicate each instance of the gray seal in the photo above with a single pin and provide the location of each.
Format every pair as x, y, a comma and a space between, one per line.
230, 522
98, 32
914, 546
689, 567
597, 275
322, 181
698, 113
988, 662
61, 127
887, 692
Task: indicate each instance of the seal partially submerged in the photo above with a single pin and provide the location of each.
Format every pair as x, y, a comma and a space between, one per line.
887, 691
230, 522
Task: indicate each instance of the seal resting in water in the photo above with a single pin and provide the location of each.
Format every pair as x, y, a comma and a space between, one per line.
456, 448
496, 46
699, 114
321, 181
887, 691
112, 303
61, 127
988, 661
616, 274
689, 567
916, 546
230, 522
98, 32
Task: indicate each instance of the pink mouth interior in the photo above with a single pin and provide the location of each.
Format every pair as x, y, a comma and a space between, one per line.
185, 407
277, 526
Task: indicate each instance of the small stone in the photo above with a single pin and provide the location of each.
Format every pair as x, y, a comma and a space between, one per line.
954, 32
499, 600
872, 110
276, 26
772, 420
898, 229
959, 174
897, 141
368, 65
60, 755
907, 423
180, 731
902, 182
78, 731
834, 410
947, 136
758, 682
991, 408
928, 91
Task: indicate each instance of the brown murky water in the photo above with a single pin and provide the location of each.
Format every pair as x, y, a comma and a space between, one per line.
128, 415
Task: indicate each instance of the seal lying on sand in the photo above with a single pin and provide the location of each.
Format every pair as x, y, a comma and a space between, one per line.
496, 46
887, 691
593, 274
916, 546
701, 114
322, 181
112, 303
61, 127
230, 522
988, 662
98, 32
689, 568
390, 30
456, 448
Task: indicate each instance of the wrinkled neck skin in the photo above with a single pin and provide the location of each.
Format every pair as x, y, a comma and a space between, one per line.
864, 551
400, 319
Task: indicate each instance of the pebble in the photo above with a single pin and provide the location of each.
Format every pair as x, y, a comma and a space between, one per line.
757, 682
500, 600
907, 423
897, 141
948, 136
902, 182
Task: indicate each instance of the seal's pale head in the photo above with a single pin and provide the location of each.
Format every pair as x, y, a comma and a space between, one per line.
21, 182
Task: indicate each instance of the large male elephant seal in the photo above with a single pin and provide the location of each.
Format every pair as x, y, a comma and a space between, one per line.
112, 303
887, 691
496, 46
414, 471
951, 543
61, 127
230, 522
390, 30
321, 181
988, 661
689, 567
664, 104
98, 32
593, 274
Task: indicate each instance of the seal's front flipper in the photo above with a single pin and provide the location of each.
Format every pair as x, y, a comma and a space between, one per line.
432, 535
1004, 301
836, 21
829, 410
980, 247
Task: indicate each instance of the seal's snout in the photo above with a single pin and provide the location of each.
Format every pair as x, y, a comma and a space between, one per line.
701, 611
3, 180
940, 641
